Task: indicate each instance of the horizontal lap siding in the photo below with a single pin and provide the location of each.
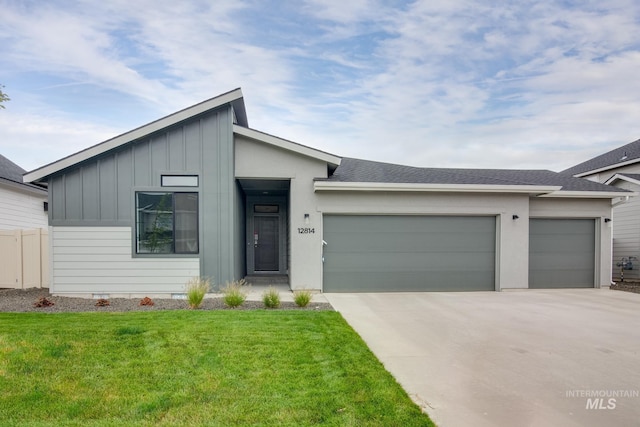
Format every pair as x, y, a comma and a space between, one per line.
99, 260
21, 211
626, 234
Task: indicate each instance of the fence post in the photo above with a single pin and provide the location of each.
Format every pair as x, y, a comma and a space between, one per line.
18, 267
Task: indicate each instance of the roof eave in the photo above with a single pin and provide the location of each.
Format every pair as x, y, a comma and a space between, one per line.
233, 97
287, 145
589, 194
417, 187
621, 177
26, 188
606, 168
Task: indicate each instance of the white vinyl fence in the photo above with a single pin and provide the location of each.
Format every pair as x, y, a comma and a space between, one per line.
24, 259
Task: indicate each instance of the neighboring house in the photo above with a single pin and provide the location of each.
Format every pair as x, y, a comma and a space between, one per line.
22, 206
619, 168
23, 230
199, 193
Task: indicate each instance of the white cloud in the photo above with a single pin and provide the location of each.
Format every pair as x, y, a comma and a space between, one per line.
459, 83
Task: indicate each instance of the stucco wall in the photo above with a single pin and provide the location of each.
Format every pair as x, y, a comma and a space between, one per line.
259, 160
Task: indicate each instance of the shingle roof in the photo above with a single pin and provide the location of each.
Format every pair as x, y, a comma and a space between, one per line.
622, 154
11, 172
356, 170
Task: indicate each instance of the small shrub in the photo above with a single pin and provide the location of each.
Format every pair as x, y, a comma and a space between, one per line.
234, 293
271, 297
196, 289
146, 301
43, 302
302, 297
102, 303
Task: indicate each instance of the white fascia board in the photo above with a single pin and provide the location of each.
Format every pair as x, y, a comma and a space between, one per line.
137, 133
621, 177
287, 145
456, 188
606, 168
23, 187
589, 194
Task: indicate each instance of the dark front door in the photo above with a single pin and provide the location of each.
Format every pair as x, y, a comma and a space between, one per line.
266, 243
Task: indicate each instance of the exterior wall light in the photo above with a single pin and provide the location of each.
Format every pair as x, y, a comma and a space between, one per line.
515, 217
306, 218
607, 220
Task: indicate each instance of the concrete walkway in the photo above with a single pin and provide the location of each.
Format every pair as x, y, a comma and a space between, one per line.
512, 358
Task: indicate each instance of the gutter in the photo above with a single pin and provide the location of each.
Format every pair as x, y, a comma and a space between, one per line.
413, 187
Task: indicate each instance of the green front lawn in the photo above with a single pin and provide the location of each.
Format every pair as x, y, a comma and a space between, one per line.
194, 368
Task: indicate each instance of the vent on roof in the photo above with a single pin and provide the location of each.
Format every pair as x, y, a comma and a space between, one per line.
624, 156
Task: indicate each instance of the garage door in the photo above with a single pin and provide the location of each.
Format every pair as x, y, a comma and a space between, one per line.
561, 253
409, 253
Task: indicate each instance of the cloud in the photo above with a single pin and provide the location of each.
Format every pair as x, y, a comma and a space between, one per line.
460, 83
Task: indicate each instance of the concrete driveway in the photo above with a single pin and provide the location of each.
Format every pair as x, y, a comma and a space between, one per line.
512, 358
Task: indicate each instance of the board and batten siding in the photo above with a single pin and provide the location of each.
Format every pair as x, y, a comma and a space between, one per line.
21, 211
100, 191
97, 260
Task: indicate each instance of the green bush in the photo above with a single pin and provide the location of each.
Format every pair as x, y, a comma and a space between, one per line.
234, 293
302, 297
271, 297
196, 289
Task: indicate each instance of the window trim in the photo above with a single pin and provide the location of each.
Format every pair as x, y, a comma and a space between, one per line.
134, 228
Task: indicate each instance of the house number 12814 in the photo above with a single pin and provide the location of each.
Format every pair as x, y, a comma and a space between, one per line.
306, 230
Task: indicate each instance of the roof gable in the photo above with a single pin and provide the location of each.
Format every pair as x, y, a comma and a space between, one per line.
234, 98
621, 156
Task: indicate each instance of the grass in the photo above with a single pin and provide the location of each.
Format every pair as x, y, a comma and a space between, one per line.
285, 368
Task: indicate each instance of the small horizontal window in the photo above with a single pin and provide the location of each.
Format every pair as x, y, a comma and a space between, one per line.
266, 208
179, 180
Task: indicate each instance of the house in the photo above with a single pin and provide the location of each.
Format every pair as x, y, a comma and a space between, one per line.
22, 205
619, 168
23, 230
200, 193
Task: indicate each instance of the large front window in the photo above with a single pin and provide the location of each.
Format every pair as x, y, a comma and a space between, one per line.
166, 223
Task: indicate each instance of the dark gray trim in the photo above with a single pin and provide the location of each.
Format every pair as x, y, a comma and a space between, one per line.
132, 223
283, 222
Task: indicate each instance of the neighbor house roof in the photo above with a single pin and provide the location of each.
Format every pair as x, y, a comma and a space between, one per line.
11, 174
233, 97
621, 156
629, 177
356, 174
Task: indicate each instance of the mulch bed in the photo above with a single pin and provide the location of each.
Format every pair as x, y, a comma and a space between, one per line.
628, 286
39, 300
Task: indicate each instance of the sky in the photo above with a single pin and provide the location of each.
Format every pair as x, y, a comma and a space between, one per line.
459, 83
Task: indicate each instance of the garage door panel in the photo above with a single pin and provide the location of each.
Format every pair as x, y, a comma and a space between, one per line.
408, 253
561, 253
438, 281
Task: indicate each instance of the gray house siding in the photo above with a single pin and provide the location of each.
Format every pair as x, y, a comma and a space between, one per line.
100, 192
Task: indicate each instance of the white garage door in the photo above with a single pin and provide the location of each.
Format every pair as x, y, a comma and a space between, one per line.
369, 253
